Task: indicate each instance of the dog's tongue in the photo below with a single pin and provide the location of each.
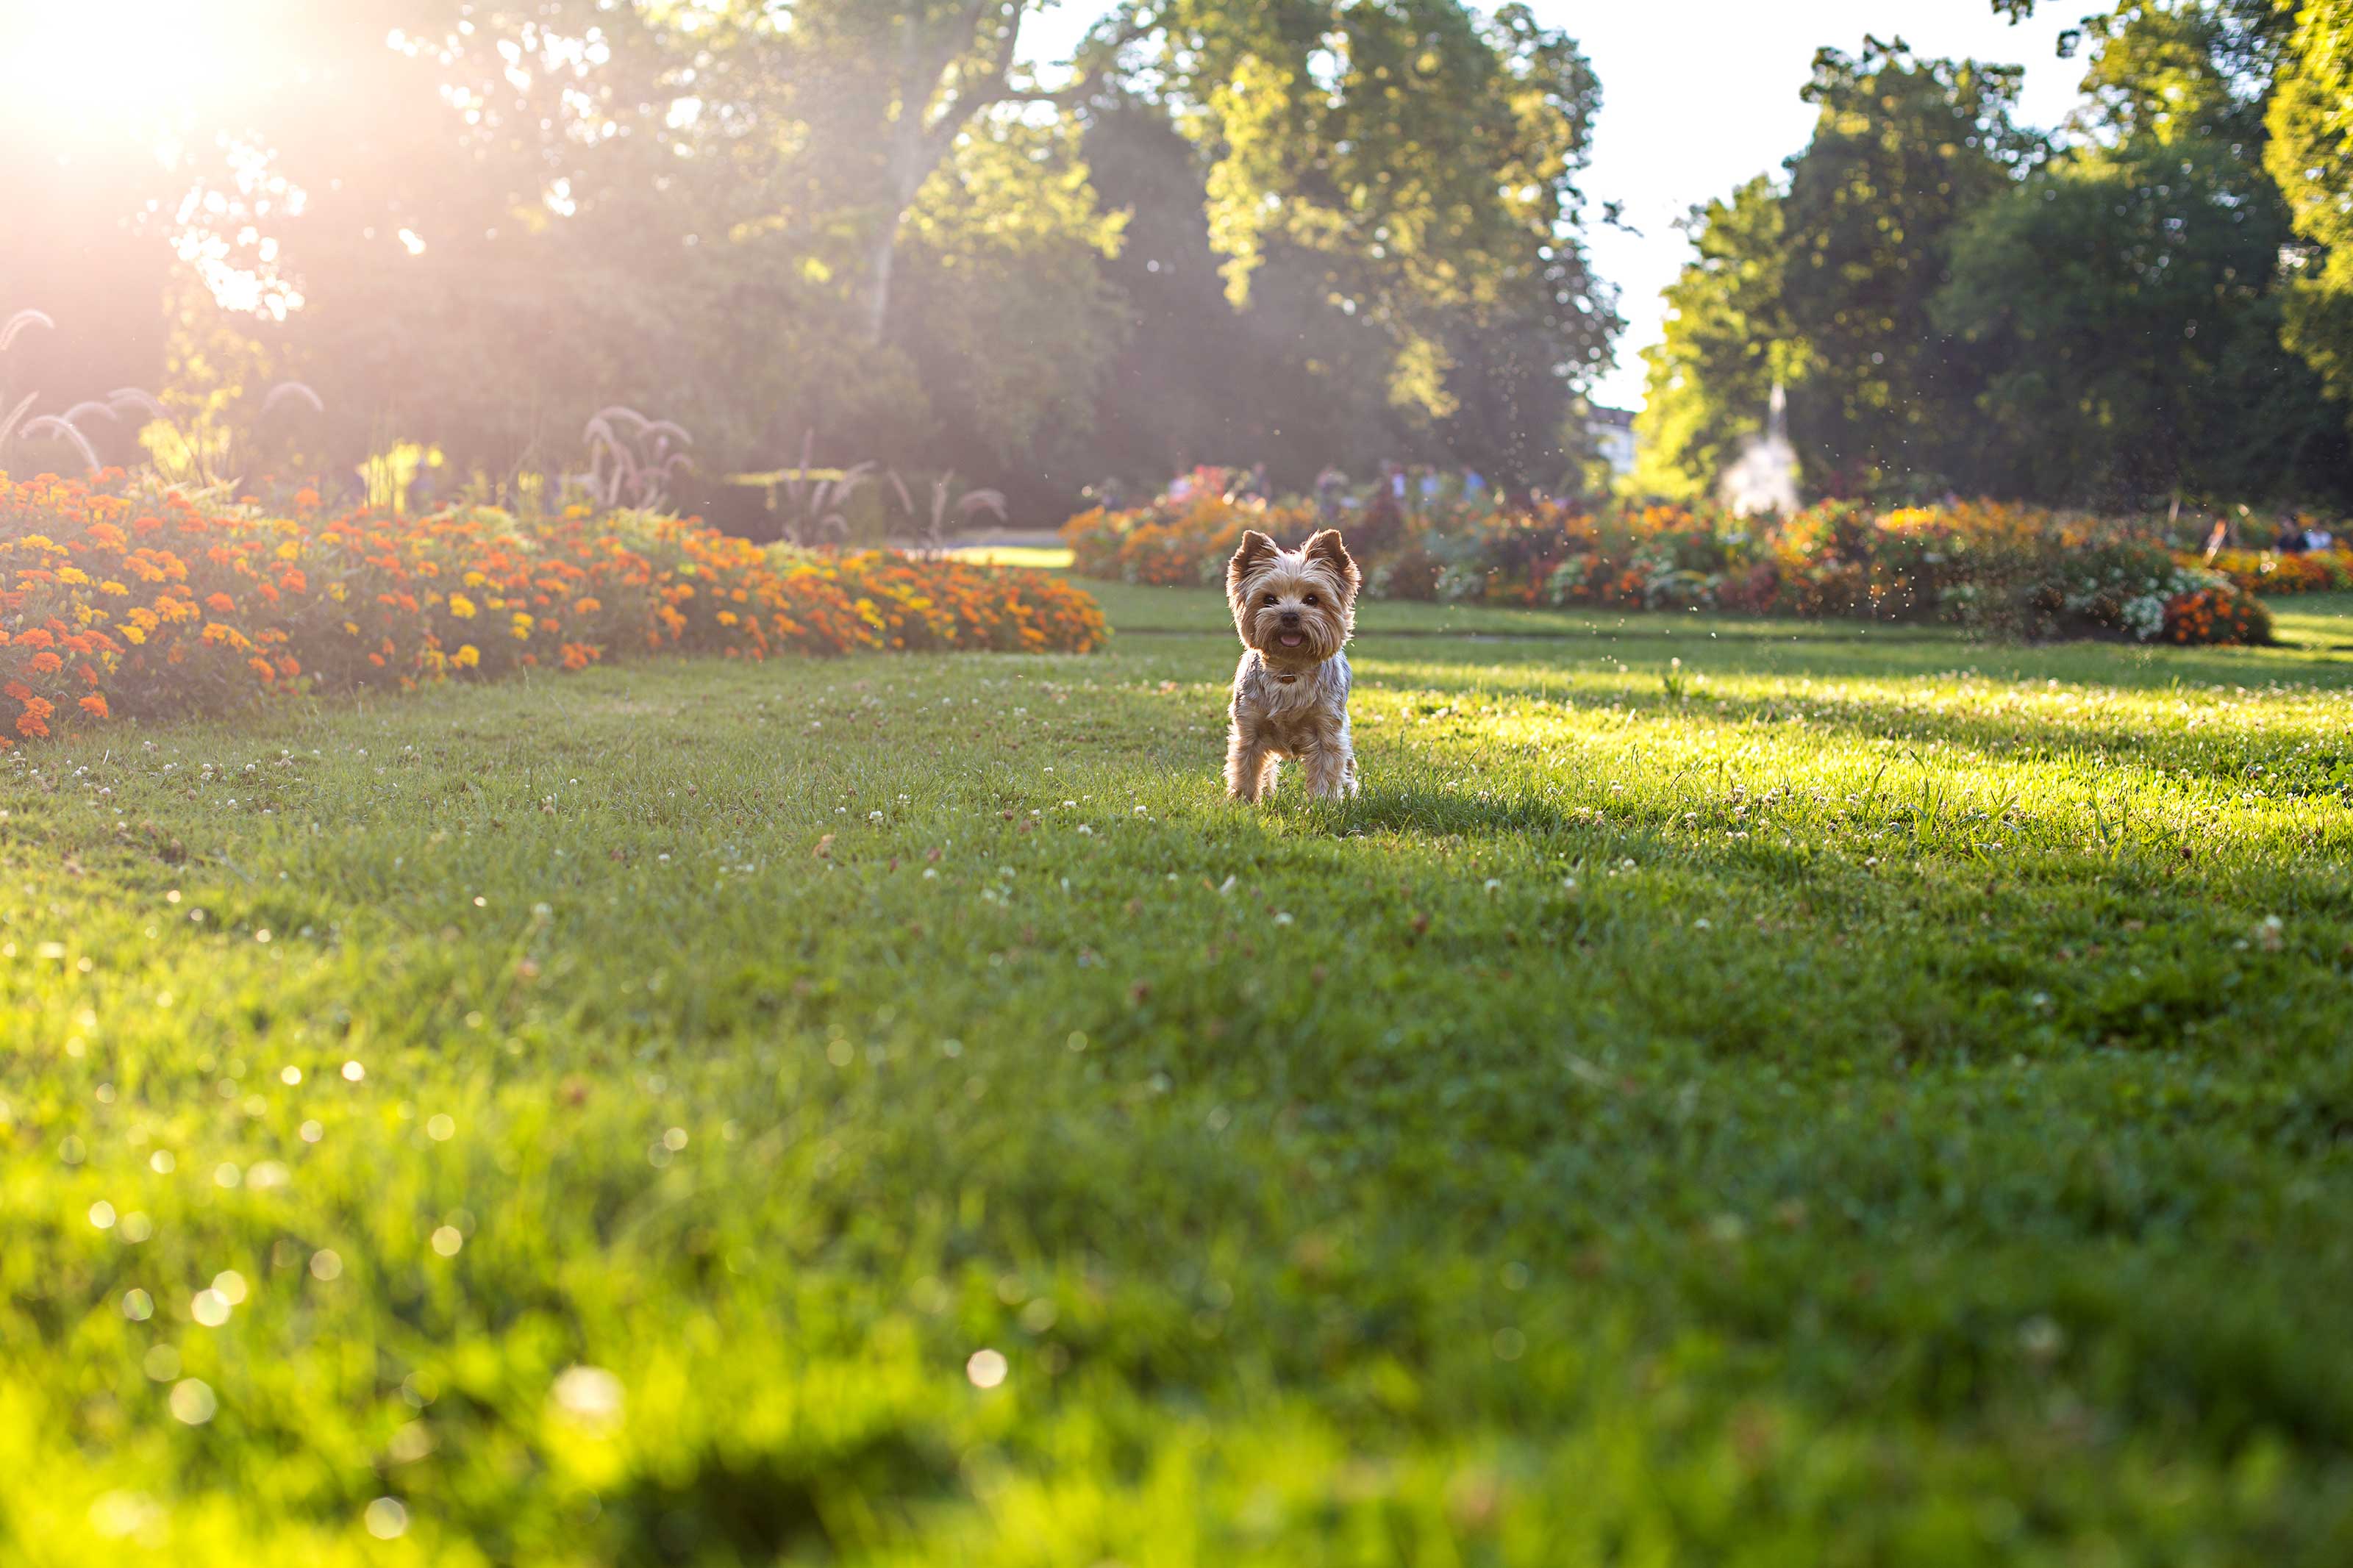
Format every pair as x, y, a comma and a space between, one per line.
1293, 640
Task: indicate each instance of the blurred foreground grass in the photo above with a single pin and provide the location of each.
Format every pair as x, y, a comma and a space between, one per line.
1843, 1097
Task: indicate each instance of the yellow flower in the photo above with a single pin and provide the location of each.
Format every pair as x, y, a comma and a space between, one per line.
114, 589
461, 607
72, 574
135, 634
335, 591
468, 657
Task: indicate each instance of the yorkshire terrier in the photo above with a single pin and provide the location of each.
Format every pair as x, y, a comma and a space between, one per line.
1295, 610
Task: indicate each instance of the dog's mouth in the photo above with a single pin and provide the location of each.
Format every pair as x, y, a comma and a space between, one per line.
1292, 639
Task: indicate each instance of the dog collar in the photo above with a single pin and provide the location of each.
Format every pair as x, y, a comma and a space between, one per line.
1286, 680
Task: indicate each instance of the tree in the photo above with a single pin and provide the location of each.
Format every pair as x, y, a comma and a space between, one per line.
1825, 286
2311, 156
2126, 297
1427, 157
517, 214
1904, 150
1728, 340
1292, 378
2122, 302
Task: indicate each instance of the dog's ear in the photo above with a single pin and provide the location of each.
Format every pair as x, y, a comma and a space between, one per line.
1254, 548
1328, 547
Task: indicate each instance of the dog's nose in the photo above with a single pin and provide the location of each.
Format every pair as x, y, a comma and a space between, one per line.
1291, 617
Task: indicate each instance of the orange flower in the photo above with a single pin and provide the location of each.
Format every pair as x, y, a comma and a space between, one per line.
94, 705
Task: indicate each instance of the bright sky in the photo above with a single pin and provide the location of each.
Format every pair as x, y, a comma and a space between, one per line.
1699, 95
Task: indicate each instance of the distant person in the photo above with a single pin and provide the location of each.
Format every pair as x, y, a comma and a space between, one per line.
2318, 538
2291, 538
1384, 521
1331, 496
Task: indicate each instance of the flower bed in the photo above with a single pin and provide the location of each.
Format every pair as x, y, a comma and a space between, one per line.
2269, 572
2007, 570
115, 603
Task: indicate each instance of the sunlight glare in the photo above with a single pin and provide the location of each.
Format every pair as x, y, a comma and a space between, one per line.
78, 76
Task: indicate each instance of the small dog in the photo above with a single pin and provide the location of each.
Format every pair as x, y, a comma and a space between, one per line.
1295, 610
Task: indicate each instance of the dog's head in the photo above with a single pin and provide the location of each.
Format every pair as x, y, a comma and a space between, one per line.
1294, 606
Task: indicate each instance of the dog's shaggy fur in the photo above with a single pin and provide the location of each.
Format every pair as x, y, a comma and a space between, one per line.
1294, 610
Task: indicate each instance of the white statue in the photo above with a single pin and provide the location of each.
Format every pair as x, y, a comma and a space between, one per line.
1763, 479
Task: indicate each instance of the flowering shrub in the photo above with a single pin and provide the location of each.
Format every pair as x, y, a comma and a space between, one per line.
1995, 568
115, 602
2216, 614
2269, 572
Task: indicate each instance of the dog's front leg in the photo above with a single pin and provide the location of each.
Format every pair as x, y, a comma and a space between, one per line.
1250, 762
1330, 771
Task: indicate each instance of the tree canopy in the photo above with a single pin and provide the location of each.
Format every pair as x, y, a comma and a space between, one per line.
469, 223
2120, 316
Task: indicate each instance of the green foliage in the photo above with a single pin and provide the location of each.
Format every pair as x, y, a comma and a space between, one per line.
1428, 156
2122, 302
1294, 375
1862, 1099
2310, 154
1729, 340
1905, 147
1957, 308
1006, 310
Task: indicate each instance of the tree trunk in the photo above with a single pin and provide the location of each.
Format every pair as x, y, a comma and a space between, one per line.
917, 146
879, 264
904, 176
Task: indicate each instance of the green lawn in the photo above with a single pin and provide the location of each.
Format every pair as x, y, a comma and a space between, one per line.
1850, 1097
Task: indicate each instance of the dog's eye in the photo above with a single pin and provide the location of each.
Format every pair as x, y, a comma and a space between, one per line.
1270, 598
1311, 598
